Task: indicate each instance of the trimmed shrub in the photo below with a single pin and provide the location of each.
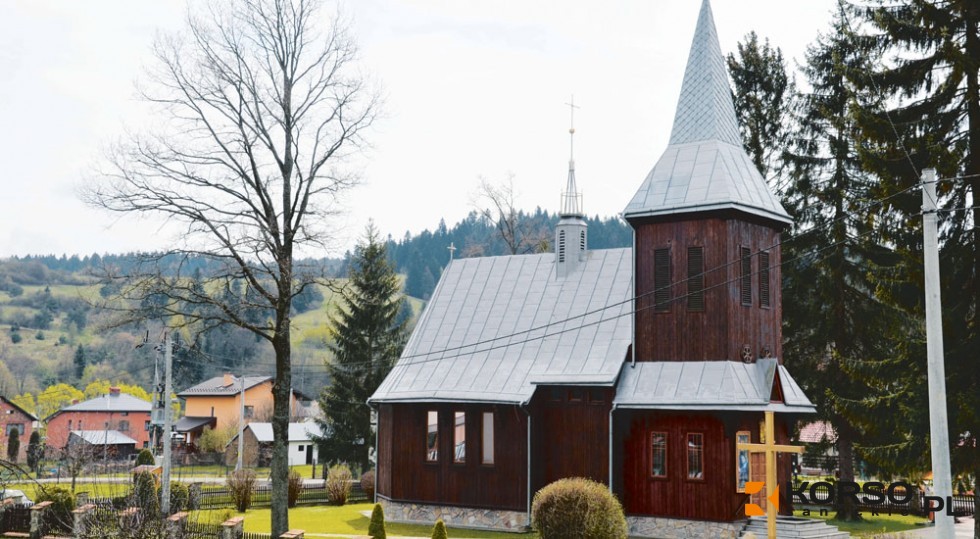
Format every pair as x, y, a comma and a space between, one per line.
294, 488
377, 527
13, 445
367, 484
180, 496
145, 494
577, 508
58, 517
338, 484
241, 485
439, 531
145, 458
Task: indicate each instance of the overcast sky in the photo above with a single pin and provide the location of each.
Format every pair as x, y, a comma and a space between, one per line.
473, 88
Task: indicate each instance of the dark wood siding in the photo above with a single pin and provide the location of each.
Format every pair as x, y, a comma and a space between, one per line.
713, 498
724, 325
404, 474
570, 434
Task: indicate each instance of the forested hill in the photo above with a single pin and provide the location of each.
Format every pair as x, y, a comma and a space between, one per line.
422, 257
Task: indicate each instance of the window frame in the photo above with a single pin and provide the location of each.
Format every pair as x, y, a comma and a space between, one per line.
748, 459
699, 452
745, 275
661, 280
765, 280
653, 451
431, 452
695, 279
457, 429
492, 440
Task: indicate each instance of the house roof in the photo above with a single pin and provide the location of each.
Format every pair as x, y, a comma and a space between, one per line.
192, 423
103, 437
815, 431
122, 402
498, 326
705, 167
709, 385
217, 387
13, 405
298, 432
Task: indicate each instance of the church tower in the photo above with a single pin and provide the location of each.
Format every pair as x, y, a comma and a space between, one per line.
706, 231
571, 232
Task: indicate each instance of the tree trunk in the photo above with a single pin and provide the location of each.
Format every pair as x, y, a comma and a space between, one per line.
847, 510
280, 433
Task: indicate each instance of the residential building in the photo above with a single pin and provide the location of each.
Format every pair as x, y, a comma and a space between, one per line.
113, 411
258, 445
14, 417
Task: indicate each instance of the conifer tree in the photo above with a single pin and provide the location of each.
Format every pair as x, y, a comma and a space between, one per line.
834, 324
34, 451
366, 342
79, 362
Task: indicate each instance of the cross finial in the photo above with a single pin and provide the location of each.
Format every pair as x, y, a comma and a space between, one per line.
571, 129
452, 250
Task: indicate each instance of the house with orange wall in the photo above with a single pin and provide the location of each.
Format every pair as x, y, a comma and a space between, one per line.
217, 403
15, 417
113, 411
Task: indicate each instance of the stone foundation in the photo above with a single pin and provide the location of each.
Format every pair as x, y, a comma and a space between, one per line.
461, 517
673, 528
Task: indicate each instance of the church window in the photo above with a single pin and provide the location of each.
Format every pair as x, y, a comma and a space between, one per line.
695, 278
746, 275
763, 279
581, 241
742, 473
695, 455
658, 454
561, 246
459, 437
597, 396
556, 394
432, 437
487, 438
576, 394
661, 280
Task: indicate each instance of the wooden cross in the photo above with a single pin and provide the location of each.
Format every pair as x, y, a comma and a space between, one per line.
452, 250
771, 449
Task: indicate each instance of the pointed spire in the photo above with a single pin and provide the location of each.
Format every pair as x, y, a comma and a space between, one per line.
571, 201
705, 110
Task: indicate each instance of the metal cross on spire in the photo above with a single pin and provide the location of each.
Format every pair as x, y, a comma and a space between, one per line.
571, 130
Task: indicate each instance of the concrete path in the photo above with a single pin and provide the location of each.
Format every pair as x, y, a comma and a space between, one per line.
963, 530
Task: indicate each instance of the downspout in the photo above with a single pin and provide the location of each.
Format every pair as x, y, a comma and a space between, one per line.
635, 304
377, 449
528, 413
611, 410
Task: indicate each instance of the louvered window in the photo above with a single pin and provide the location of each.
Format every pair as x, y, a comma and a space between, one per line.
561, 246
581, 240
661, 279
763, 279
746, 275
695, 278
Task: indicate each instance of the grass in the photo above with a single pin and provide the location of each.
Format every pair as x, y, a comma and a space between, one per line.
343, 520
872, 526
100, 490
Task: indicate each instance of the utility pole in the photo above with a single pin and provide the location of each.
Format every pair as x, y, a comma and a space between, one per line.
168, 410
241, 425
938, 423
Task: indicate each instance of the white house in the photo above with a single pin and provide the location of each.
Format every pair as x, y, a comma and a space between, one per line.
258, 444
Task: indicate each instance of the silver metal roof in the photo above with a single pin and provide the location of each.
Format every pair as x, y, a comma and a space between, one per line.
298, 432
103, 437
454, 353
121, 402
705, 167
708, 385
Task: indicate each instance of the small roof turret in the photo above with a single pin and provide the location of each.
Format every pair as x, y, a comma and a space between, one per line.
705, 167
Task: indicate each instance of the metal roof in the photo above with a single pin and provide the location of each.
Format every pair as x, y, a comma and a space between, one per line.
708, 385
497, 326
705, 167
217, 386
192, 423
110, 403
103, 437
298, 432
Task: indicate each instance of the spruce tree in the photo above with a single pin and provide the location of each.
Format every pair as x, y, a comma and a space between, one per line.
34, 451
13, 445
366, 341
835, 324
79, 362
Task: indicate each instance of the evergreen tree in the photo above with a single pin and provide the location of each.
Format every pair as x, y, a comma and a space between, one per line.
366, 343
79, 362
763, 101
835, 323
13, 445
34, 451
932, 80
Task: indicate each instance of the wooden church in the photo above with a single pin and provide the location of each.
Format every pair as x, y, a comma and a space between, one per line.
640, 368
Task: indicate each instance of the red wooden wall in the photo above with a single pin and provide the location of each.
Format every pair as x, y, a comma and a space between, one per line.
714, 497
724, 326
404, 474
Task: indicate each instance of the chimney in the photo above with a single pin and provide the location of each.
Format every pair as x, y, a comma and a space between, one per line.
74, 401
228, 379
113, 391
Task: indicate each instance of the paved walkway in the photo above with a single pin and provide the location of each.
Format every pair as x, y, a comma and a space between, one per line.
963, 529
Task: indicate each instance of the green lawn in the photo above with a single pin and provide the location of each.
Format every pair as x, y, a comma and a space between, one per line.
99, 490
872, 525
343, 520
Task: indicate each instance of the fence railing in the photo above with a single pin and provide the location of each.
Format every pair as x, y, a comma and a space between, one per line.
16, 518
212, 497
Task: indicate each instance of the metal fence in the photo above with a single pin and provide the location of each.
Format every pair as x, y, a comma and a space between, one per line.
253, 535
213, 497
202, 530
16, 518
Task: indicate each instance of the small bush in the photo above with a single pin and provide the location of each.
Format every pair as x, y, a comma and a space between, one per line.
145, 494
180, 496
367, 484
241, 485
294, 488
377, 527
439, 530
15, 338
577, 508
338, 484
145, 458
59, 515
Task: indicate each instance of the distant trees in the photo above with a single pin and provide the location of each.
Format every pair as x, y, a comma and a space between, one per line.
366, 341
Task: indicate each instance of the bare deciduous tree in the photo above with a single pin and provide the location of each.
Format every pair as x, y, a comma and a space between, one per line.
259, 109
497, 205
